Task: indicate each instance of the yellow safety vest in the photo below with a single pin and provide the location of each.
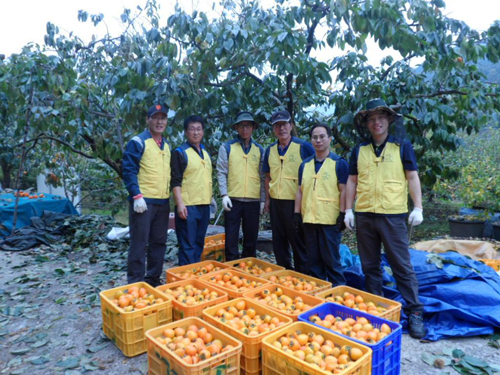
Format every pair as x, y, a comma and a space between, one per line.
243, 180
382, 185
320, 193
197, 179
284, 171
154, 171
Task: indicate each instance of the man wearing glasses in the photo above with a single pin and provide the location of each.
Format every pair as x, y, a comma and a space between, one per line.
242, 187
146, 173
321, 200
281, 166
192, 188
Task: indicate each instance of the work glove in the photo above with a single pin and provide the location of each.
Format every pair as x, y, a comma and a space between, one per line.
140, 205
340, 222
226, 203
262, 207
297, 220
349, 219
416, 216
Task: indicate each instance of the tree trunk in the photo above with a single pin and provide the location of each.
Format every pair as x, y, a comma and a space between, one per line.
6, 169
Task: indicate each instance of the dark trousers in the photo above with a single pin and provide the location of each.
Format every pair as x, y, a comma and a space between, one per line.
371, 231
148, 238
285, 235
191, 233
323, 256
246, 214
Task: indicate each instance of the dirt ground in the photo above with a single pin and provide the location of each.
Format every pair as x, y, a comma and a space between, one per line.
50, 318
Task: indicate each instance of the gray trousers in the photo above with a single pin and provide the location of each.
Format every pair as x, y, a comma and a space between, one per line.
148, 239
371, 232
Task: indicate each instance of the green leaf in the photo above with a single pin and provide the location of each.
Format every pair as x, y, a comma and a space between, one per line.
457, 353
341, 6
20, 351
71, 362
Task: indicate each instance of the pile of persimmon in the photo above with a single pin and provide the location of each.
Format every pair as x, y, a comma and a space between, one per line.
193, 345
134, 298
246, 320
298, 283
318, 351
280, 301
24, 194
198, 271
360, 329
357, 302
214, 243
190, 295
250, 267
234, 282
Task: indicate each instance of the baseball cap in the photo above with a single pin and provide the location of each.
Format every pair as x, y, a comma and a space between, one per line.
157, 108
280, 116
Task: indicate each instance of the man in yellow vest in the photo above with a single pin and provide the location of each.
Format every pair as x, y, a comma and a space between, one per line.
241, 186
381, 171
192, 188
320, 206
281, 166
146, 173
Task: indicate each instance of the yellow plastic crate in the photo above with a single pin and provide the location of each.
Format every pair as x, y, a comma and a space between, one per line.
181, 310
127, 329
174, 274
493, 263
215, 252
255, 295
277, 362
231, 292
393, 313
258, 262
321, 284
252, 345
162, 361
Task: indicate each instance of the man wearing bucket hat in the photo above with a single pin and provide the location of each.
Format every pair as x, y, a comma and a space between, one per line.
146, 173
281, 166
241, 186
381, 171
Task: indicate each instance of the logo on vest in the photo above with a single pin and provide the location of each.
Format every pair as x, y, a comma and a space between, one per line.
388, 158
292, 158
326, 176
254, 157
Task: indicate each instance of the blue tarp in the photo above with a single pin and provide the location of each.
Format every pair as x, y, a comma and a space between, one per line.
461, 296
28, 208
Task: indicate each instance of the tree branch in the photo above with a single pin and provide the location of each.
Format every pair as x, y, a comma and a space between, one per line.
60, 141
339, 139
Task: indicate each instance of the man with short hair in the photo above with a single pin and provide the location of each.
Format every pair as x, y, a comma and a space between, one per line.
281, 166
381, 170
320, 206
192, 188
146, 173
241, 185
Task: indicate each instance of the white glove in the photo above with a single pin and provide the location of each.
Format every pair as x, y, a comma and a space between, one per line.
349, 219
416, 216
140, 205
226, 202
262, 206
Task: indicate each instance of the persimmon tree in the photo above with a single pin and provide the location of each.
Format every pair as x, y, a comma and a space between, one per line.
299, 57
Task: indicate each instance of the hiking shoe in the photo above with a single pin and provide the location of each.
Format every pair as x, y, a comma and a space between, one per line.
416, 325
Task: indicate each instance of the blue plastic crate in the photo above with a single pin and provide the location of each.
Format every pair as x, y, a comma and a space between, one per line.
386, 357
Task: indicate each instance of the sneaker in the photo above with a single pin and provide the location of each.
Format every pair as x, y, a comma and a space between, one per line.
416, 325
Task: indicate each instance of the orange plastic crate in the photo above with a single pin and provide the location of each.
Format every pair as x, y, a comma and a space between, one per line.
258, 262
393, 314
493, 263
232, 293
163, 361
181, 310
255, 295
251, 352
127, 329
173, 274
215, 252
321, 284
277, 362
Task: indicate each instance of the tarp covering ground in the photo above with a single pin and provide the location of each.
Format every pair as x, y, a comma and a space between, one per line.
461, 296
